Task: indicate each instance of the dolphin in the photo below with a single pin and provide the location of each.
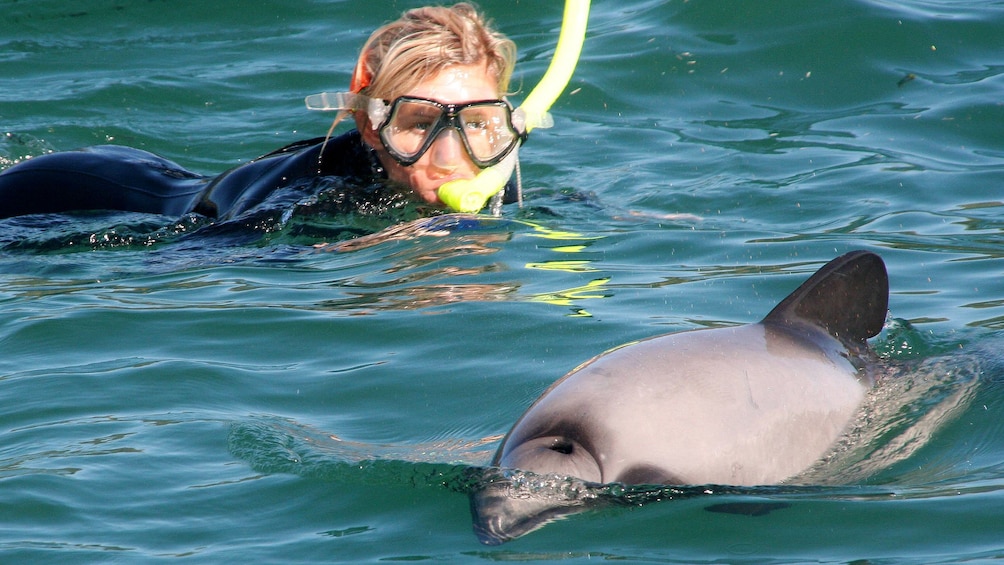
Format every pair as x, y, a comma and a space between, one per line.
748, 405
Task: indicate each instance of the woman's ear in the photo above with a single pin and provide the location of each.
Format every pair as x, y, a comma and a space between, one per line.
370, 136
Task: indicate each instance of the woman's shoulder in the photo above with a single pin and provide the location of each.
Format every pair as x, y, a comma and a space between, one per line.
343, 155
293, 147
350, 140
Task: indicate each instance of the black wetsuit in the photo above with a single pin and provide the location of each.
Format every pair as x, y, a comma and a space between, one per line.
112, 177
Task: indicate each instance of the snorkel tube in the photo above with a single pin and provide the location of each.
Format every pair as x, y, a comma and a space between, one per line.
470, 195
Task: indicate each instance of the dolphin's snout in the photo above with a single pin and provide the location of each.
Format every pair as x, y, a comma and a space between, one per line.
491, 512
505, 507
489, 531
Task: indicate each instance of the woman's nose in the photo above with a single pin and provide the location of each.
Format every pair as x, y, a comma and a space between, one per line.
447, 150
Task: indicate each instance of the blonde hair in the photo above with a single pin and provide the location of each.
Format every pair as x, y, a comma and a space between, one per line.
404, 53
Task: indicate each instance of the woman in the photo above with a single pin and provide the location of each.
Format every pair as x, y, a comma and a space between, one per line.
426, 96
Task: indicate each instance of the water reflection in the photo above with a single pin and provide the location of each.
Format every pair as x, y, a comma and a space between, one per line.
423, 296
440, 249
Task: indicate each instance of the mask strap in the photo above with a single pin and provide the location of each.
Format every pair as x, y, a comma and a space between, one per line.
360, 78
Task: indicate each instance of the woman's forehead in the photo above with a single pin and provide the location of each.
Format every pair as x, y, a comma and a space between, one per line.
457, 84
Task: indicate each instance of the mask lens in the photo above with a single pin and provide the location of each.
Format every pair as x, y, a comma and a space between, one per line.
409, 127
488, 129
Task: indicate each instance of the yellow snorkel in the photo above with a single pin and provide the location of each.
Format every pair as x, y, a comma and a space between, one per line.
470, 195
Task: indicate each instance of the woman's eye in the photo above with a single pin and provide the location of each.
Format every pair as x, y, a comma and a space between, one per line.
417, 122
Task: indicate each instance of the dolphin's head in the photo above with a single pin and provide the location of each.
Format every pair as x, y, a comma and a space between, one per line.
542, 479
541, 472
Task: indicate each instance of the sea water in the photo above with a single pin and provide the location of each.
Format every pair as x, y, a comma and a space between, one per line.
264, 397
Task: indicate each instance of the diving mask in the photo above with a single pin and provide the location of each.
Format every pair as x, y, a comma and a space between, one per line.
409, 125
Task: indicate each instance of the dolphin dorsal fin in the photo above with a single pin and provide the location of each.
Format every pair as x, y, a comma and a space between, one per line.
848, 297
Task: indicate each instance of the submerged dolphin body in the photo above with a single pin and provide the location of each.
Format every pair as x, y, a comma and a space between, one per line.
747, 405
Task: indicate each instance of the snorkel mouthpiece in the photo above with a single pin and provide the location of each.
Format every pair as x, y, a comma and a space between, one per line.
470, 195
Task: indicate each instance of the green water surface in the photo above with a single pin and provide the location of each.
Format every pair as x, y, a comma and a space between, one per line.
169, 398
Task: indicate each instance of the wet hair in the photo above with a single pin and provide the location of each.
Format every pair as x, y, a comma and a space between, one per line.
422, 42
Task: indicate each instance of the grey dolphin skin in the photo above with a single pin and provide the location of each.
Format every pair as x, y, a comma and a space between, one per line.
746, 405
